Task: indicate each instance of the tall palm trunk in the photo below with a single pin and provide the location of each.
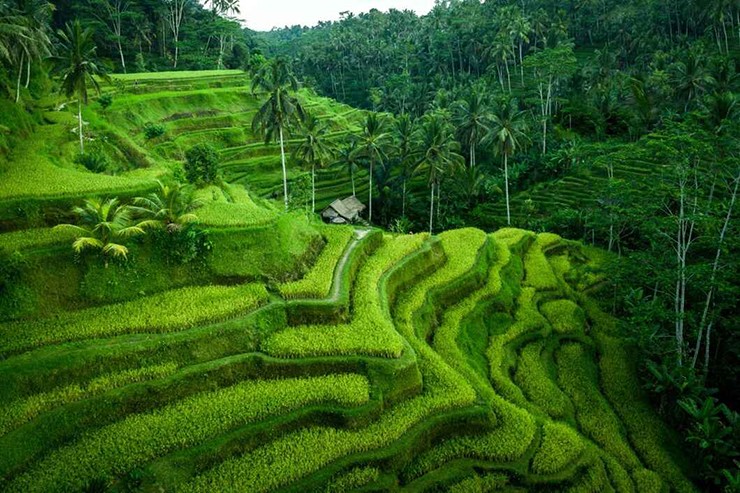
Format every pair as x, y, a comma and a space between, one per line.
352, 177
28, 71
370, 192
313, 187
403, 202
79, 124
285, 170
431, 209
18, 83
506, 183
120, 52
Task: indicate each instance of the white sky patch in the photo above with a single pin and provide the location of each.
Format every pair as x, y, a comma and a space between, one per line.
263, 15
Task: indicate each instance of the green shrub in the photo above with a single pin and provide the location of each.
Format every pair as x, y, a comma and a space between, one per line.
175, 310
24, 410
105, 100
153, 130
201, 165
93, 160
561, 446
122, 446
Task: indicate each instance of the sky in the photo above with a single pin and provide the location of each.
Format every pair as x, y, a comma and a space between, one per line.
263, 15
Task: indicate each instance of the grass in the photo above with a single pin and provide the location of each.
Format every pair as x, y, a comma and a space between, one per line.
175, 310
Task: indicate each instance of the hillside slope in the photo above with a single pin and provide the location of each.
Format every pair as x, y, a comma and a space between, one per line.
295, 356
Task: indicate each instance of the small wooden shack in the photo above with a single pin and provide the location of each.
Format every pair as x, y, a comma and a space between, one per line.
343, 211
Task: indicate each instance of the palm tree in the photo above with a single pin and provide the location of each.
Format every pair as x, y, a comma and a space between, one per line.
314, 149
104, 226
78, 67
472, 118
691, 78
280, 110
170, 207
404, 129
33, 42
350, 161
372, 144
507, 134
437, 154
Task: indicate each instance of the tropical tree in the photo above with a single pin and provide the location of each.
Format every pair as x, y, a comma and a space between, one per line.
78, 67
507, 134
105, 226
349, 160
314, 150
437, 154
31, 43
280, 111
472, 117
691, 77
373, 144
170, 208
404, 132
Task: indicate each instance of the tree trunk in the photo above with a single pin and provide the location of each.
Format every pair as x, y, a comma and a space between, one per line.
120, 52
521, 62
28, 71
313, 187
712, 279
431, 209
18, 83
285, 170
370, 194
506, 182
79, 124
403, 200
352, 177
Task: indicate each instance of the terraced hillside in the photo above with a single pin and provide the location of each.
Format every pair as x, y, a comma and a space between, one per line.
218, 109
464, 362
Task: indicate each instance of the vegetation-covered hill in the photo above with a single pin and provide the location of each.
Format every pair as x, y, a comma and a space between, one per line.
288, 355
469, 361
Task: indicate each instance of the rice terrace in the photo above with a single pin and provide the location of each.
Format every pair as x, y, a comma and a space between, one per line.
468, 246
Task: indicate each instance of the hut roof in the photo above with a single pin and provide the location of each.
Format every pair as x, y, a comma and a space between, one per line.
349, 209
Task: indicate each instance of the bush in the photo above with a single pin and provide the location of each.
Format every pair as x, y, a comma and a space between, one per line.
94, 160
105, 101
153, 130
201, 165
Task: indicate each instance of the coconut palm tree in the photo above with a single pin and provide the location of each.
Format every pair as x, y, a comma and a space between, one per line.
104, 226
171, 207
280, 111
692, 78
349, 160
315, 149
33, 42
507, 134
404, 132
373, 144
78, 67
472, 118
437, 154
